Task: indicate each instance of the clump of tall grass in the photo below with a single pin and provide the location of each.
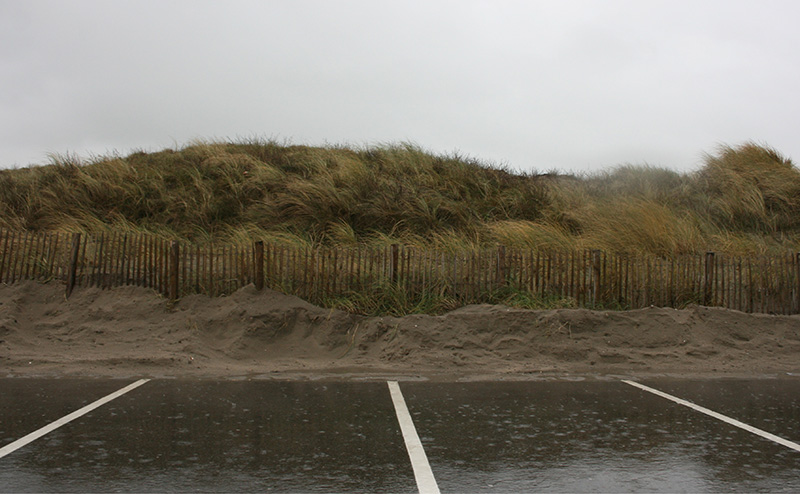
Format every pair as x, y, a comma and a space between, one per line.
391, 299
320, 195
751, 188
394, 300
533, 235
745, 199
630, 224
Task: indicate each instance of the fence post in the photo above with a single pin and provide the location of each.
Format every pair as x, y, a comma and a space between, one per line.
260, 265
394, 263
596, 282
708, 282
73, 262
174, 262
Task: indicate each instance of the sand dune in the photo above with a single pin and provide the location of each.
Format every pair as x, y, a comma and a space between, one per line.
132, 331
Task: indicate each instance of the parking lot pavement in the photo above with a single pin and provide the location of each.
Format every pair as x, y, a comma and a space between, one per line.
770, 404
28, 404
549, 436
590, 437
224, 437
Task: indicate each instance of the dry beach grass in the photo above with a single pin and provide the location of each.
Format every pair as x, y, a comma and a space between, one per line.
745, 199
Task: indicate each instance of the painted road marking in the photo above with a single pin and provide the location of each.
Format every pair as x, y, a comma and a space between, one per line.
719, 416
10, 448
426, 483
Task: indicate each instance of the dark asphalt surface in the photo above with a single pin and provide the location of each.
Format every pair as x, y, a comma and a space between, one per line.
544, 436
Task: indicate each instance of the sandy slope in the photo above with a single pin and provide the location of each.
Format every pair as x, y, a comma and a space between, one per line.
131, 331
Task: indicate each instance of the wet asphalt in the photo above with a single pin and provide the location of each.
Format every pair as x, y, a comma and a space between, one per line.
273, 436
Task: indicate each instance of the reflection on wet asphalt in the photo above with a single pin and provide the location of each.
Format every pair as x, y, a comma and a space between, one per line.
559, 436
223, 436
587, 437
769, 404
28, 404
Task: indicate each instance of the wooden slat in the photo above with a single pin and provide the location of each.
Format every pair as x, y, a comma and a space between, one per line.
14, 256
589, 278
19, 259
10, 255
19, 254
186, 254
25, 267
106, 260
51, 267
38, 255
121, 278
6, 259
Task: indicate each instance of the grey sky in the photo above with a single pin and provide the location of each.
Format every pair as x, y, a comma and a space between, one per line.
535, 85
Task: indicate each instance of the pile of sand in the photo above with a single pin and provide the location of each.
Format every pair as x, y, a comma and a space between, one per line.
132, 331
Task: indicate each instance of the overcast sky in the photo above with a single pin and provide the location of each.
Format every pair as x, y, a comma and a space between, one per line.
532, 85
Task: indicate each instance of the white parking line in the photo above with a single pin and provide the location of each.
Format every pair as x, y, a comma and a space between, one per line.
719, 416
426, 483
10, 448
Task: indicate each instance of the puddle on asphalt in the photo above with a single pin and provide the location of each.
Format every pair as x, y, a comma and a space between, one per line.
223, 437
31, 403
769, 404
589, 437
559, 436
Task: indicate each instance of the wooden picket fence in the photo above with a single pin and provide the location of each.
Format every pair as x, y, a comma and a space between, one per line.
585, 278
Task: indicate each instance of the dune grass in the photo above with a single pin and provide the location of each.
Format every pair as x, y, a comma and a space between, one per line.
745, 199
